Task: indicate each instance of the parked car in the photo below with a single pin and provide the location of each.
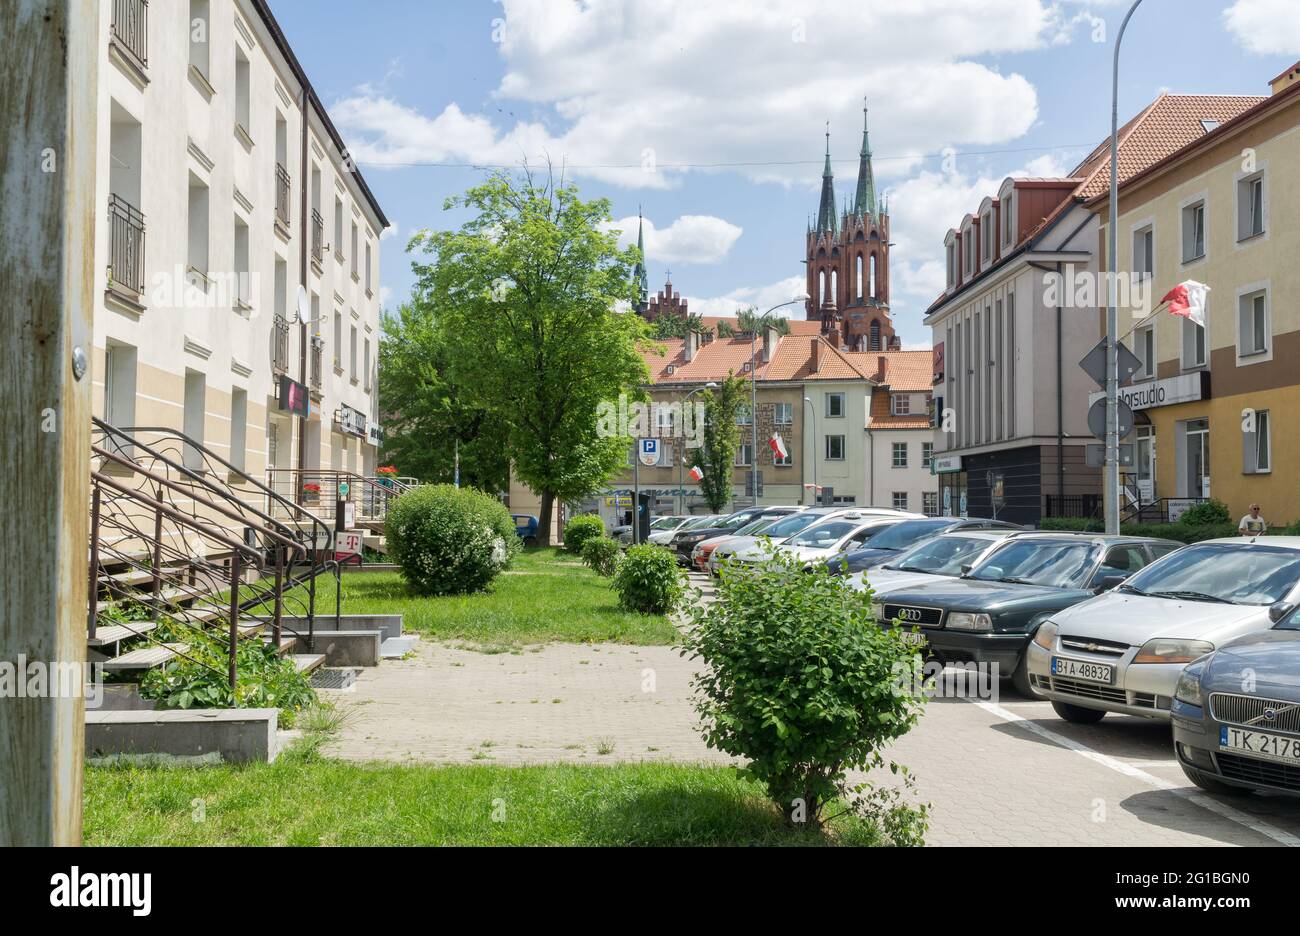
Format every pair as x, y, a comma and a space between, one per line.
1236, 712
1124, 652
703, 550
989, 614
947, 555
683, 541
526, 527
750, 548
834, 536
661, 528
904, 536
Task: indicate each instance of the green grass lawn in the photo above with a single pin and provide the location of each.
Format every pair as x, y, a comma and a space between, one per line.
547, 595
306, 801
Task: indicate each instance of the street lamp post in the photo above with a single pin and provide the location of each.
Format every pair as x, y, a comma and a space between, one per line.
1112, 299
813, 409
759, 322
681, 460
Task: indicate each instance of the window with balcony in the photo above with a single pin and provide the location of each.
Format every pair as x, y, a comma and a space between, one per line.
128, 31
199, 24
126, 270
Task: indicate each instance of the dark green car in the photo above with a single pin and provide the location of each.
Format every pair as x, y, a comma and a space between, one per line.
989, 614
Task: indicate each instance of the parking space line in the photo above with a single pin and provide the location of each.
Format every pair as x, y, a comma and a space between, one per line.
1189, 793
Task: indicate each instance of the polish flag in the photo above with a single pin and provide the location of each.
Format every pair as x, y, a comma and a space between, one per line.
778, 446
697, 473
1188, 300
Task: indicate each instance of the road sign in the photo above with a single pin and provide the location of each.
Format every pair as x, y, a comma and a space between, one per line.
1097, 419
1095, 456
649, 451
347, 544
1094, 363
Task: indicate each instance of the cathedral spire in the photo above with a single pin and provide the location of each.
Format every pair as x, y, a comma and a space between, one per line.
864, 202
827, 223
639, 274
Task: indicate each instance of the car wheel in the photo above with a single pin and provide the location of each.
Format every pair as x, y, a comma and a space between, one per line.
1078, 714
1020, 680
1210, 785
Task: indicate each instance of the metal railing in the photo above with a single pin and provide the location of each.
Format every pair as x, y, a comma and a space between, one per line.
282, 186
125, 247
1078, 506
280, 344
317, 363
130, 28
323, 489
317, 236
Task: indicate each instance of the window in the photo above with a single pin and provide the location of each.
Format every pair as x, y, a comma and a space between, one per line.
666, 460
1008, 221
835, 405
783, 414
902, 403
368, 289
1257, 445
352, 355
1144, 252
195, 400
970, 252
900, 500
786, 462
198, 226
744, 454
366, 360
238, 427
1144, 341
242, 91
1253, 337
927, 454
930, 503
1194, 341
743, 415
986, 236
338, 341
338, 229
243, 293
355, 275
1194, 231
835, 448
119, 392
199, 23
1250, 206
899, 457
952, 264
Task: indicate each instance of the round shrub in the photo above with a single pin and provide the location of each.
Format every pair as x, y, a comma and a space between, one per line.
1206, 513
449, 540
648, 580
580, 529
602, 554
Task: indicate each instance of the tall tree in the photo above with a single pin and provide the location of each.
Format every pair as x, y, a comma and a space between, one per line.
430, 421
527, 290
721, 436
750, 321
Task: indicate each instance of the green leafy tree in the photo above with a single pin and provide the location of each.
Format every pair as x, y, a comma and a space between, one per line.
751, 322
719, 439
429, 418
676, 326
527, 290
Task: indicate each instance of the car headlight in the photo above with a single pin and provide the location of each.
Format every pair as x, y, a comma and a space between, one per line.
960, 620
1045, 636
1188, 689
1172, 650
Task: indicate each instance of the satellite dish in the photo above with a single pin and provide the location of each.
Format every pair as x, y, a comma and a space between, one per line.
304, 305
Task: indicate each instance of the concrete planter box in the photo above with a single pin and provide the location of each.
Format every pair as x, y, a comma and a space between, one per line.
238, 736
390, 625
372, 567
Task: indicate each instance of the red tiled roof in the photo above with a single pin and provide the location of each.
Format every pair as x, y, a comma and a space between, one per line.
797, 326
903, 371
882, 418
792, 359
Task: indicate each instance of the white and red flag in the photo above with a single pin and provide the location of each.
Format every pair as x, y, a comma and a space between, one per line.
697, 473
1188, 300
778, 446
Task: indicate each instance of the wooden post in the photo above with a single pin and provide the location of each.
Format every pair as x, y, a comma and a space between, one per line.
48, 160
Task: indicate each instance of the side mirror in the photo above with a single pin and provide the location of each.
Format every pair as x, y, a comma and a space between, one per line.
1110, 581
1279, 609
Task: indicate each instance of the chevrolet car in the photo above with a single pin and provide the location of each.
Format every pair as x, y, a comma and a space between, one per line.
989, 614
1125, 651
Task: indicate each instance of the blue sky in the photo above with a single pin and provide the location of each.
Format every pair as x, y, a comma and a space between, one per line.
710, 116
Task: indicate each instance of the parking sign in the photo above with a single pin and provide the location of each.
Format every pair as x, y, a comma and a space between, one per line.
649, 451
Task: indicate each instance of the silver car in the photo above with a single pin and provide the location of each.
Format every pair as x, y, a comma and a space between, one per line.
1124, 650
944, 556
831, 537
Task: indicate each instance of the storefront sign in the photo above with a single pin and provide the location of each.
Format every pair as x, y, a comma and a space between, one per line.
293, 397
945, 464
350, 421
1185, 388
375, 434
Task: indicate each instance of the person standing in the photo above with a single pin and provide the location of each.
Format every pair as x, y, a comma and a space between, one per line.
1252, 524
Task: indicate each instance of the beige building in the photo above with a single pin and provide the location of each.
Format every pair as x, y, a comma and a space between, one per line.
226, 190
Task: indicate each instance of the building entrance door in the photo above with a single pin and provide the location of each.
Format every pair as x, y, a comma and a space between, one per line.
1198, 457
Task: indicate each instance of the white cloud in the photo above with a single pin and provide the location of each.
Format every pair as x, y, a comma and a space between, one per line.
1265, 27
634, 91
689, 239
760, 297
392, 230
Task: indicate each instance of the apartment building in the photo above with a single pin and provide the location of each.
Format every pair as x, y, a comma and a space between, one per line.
1018, 312
1212, 403
238, 271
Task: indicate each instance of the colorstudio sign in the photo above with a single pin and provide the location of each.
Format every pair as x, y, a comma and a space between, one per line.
1185, 388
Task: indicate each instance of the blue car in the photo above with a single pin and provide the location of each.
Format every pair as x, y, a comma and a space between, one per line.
1236, 712
526, 527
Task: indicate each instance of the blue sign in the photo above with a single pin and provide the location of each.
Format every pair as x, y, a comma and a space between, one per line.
649, 451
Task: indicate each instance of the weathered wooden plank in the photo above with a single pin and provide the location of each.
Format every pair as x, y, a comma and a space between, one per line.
48, 103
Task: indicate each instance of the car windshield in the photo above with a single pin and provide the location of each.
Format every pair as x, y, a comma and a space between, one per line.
827, 534
734, 522
907, 534
699, 522
943, 555
756, 526
1055, 564
665, 523
794, 523
1249, 575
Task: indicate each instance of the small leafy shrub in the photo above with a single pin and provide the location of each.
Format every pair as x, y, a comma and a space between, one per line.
1206, 513
602, 554
200, 679
799, 681
449, 540
580, 529
648, 580
1181, 532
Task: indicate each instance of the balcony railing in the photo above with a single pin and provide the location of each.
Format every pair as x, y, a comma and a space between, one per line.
280, 345
317, 236
130, 28
317, 363
282, 196
125, 247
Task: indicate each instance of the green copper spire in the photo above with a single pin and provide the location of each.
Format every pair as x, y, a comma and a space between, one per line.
642, 283
864, 202
827, 223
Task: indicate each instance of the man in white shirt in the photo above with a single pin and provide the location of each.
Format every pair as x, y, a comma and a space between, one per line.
1252, 524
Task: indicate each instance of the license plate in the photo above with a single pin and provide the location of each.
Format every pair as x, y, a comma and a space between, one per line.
1083, 670
1268, 746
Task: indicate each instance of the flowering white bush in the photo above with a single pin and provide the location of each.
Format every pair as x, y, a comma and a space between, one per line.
449, 540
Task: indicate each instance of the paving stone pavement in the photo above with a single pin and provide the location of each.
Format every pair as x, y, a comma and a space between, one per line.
989, 777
